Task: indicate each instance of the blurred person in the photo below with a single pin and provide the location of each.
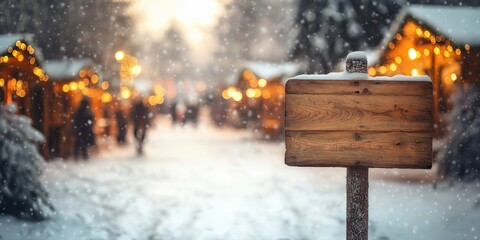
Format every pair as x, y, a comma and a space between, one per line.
121, 125
140, 115
173, 112
82, 122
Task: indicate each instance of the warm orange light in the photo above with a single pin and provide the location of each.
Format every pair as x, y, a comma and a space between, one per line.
415, 72
225, 95
393, 67
120, 55
453, 77
136, 70
38, 72
65, 88
20, 57
94, 78
458, 51
2, 82
237, 96
32, 61
250, 93
82, 73
21, 93
151, 100
446, 54
391, 45
81, 85
372, 71
436, 50
231, 91
426, 34
126, 93
105, 85
419, 32
412, 53
382, 70
398, 36
19, 84
398, 60
258, 93
426, 52
73, 86
106, 97
449, 48
247, 75
262, 82
159, 90
467, 47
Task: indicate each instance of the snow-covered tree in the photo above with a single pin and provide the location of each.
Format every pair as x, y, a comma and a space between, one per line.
21, 192
329, 30
253, 30
460, 156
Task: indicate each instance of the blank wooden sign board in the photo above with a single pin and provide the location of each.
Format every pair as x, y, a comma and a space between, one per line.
352, 120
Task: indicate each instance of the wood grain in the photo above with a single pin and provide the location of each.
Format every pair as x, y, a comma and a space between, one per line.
357, 148
352, 112
358, 123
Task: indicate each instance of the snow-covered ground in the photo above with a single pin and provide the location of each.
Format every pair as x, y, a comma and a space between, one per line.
209, 183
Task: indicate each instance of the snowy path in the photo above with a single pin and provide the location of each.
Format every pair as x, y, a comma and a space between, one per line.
207, 183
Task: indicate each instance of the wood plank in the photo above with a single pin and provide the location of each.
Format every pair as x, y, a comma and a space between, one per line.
358, 112
356, 87
353, 148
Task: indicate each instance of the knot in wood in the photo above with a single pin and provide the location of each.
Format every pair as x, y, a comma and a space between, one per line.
357, 136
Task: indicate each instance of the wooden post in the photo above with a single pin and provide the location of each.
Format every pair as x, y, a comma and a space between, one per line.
357, 203
357, 179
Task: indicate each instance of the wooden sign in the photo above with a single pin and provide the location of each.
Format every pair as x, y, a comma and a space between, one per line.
345, 120
354, 121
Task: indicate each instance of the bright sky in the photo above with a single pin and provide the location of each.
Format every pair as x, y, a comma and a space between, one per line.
196, 19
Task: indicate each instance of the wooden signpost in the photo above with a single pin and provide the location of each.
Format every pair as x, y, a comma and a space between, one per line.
354, 121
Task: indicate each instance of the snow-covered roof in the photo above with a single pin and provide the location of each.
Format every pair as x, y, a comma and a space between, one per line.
66, 69
9, 40
270, 70
460, 25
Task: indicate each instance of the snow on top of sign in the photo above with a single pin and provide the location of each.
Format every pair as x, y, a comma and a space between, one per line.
459, 24
357, 55
66, 69
360, 76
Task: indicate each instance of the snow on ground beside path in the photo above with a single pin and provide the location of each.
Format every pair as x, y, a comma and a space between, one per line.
211, 183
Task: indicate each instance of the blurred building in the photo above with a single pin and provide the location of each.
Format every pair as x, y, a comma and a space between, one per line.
257, 98
70, 81
22, 78
442, 42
